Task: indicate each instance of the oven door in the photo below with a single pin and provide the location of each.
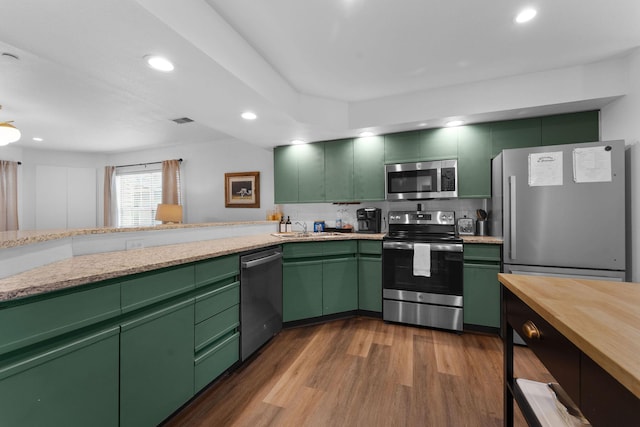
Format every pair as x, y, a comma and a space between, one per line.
446, 268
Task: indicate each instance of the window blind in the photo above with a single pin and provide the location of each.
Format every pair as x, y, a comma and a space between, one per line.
139, 193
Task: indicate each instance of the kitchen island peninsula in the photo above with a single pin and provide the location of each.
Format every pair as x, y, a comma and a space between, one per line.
587, 333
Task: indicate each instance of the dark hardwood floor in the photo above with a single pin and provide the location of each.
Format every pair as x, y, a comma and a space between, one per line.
364, 372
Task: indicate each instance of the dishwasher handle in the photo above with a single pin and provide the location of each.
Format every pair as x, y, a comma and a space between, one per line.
261, 261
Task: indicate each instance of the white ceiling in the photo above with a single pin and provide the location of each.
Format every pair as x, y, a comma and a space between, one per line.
303, 66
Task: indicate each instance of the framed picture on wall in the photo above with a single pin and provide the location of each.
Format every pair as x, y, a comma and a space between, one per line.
242, 190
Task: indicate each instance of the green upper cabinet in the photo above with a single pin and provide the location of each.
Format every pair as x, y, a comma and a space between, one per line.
570, 128
368, 168
474, 161
353, 169
439, 144
514, 134
310, 172
285, 174
402, 147
299, 173
338, 172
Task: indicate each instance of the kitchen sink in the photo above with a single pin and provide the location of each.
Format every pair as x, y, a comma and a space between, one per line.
300, 235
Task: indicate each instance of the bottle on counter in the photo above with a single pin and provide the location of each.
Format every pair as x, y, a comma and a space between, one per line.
282, 227
288, 226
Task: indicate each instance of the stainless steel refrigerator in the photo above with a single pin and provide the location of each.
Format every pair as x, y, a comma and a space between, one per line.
561, 210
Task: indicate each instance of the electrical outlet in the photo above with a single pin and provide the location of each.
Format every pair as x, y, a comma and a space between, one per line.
134, 244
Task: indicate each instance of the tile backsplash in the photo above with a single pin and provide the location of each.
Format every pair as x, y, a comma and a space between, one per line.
328, 212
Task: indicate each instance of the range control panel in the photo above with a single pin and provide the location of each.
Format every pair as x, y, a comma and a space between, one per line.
422, 217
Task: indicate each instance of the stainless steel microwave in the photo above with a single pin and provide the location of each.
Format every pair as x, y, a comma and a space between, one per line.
422, 180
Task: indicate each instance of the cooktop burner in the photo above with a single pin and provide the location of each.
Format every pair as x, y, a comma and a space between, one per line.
422, 226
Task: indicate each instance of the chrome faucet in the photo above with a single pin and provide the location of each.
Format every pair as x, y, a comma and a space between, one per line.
304, 226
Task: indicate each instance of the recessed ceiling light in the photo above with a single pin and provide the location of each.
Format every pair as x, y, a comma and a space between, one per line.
526, 15
159, 63
454, 123
38, 139
298, 141
365, 134
422, 124
248, 115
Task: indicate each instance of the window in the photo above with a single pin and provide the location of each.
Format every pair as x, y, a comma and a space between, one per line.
139, 191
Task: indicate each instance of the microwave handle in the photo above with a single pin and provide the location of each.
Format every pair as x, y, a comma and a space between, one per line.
512, 216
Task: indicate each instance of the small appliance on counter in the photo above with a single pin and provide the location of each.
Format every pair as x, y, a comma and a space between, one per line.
369, 220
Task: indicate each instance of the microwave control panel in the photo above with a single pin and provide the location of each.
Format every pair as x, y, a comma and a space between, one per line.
448, 179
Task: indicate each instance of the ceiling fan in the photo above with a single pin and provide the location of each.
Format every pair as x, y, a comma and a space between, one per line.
8, 132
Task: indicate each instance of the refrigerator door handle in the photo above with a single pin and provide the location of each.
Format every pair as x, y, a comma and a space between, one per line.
512, 215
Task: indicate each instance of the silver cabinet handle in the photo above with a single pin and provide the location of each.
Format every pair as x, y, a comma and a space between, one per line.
512, 215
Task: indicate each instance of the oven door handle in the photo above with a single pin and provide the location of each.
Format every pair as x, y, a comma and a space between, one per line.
435, 247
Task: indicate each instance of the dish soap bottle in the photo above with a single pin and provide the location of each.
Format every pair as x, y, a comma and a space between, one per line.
288, 225
282, 227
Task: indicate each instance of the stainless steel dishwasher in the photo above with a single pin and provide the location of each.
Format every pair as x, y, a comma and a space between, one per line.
260, 299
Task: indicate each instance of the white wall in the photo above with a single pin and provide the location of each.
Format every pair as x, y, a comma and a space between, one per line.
203, 169
620, 121
27, 179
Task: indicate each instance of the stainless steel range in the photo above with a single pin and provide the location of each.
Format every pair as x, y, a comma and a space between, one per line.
422, 268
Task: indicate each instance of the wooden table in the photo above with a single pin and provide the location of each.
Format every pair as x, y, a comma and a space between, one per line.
587, 333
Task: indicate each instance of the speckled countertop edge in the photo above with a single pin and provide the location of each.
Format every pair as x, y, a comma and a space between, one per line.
491, 240
86, 269
10, 239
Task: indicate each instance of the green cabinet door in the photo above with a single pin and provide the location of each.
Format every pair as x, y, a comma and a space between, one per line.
571, 128
71, 383
515, 134
339, 285
481, 295
156, 364
338, 174
368, 168
285, 174
301, 290
370, 283
474, 161
310, 172
402, 147
439, 144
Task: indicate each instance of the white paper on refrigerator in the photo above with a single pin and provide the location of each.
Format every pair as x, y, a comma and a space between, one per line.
545, 169
592, 164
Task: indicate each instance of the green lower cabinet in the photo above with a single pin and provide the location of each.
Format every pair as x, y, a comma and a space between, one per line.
71, 383
339, 285
481, 295
301, 290
156, 364
370, 283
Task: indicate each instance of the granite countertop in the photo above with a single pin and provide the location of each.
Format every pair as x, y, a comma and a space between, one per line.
86, 269
599, 317
10, 239
491, 240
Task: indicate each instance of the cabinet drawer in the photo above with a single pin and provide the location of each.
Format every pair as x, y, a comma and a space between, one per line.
371, 247
481, 252
216, 269
42, 318
149, 288
215, 327
556, 352
213, 362
340, 247
302, 250
217, 300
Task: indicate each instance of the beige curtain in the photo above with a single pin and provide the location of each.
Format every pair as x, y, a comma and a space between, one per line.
110, 200
171, 193
8, 195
